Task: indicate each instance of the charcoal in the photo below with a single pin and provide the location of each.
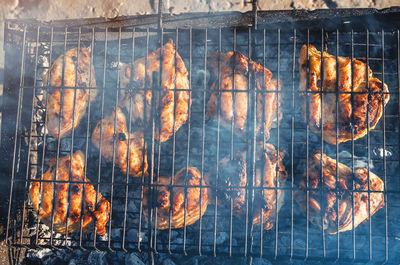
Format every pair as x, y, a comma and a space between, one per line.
168, 262
132, 259
97, 257
258, 261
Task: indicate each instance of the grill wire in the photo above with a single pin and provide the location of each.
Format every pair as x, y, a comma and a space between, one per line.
202, 143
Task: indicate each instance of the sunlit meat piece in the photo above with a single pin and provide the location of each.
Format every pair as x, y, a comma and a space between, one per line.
336, 209
62, 116
115, 138
68, 209
235, 71
172, 108
326, 114
270, 173
172, 204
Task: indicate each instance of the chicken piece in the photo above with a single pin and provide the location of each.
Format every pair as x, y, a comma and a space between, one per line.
137, 161
195, 202
138, 99
375, 100
95, 210
234, 173
344, 213
78, 72
234, 105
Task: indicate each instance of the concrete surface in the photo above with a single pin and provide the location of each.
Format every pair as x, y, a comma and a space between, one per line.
61, 9
57, 9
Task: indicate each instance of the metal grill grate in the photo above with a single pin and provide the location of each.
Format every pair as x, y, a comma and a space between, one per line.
31, 48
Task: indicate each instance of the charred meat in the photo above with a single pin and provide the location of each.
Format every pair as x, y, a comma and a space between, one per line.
270, 173
67, 106
115, 141
84, 202
339, 192
350, 116
171, 105
234, 70
176, 204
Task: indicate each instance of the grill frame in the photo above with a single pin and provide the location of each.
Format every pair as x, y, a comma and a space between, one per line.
14, 114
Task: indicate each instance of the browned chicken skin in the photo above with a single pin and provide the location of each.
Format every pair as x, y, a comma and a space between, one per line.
93, 212
344, 184
77, 73
230, 62
173, 77
346, 110
164, 197
234, 173
137, 161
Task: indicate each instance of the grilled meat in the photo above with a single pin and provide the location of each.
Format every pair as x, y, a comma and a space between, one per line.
234, 173
332, 215
138, 99
95, 210
233, 70
195, 202
118, 139
375, 100
78, 72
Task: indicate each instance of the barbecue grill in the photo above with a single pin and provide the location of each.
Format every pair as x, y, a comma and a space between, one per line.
272, 39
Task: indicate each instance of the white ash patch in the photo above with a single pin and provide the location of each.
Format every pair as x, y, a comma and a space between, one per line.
380, 152
40, 254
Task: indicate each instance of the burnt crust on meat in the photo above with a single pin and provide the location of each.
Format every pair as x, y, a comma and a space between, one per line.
344, 213
164, 196
172, 109
374, 101
78, 72
233, 173
236, 63
41, 194
117, 138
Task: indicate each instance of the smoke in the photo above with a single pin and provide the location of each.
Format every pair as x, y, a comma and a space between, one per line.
359, 162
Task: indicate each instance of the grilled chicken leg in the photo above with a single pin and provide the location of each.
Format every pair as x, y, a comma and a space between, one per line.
67, 106
328, 206
195, 202
234, 173
137, 161
173, 108
234, 105
95, 210
375, 100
